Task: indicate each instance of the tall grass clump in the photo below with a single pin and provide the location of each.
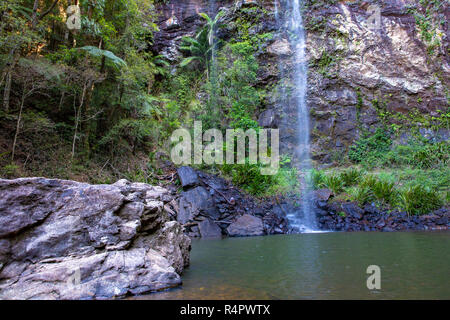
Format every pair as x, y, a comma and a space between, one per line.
384, 191
317, 179
360, 194
334, 183
351, 177
416, 200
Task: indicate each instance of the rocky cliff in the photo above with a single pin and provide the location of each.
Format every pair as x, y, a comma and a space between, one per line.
370, 64
68, 240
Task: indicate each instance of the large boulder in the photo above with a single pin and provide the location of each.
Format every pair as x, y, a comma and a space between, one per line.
195, 202
188, 177
209, 229
68, 240
245, 226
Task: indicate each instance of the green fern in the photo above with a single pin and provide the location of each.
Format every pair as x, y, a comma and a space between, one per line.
96, 52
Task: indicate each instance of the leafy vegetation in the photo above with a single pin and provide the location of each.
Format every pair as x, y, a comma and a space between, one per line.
92, 88
419, 200
370, 146
98, 104
430, 18
415, 191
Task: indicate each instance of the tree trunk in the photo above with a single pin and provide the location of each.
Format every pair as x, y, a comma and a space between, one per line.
7, 91
87, 109
22, 102
34, 18
77, 119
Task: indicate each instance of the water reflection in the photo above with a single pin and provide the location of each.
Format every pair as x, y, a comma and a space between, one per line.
317, 266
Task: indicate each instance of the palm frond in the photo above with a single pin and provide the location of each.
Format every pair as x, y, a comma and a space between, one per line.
188, 60
96, 52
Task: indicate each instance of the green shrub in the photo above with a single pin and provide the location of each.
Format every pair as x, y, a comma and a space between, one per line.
369, 181
249, 177
317, 178
419, 200
130, 134
351, 176
419, 154
334, 183
431, 155
360, 194
370, 147
9, 171
384, 191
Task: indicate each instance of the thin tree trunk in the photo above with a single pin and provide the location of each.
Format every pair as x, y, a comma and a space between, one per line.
77, 118
63, 95
22, 102
4, 73
34, 18
87, 131
7, 91
61, 100
14, 56
102, 66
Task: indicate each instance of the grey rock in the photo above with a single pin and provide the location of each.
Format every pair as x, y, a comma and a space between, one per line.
322, 194
267, 119
195, 202
188, 177
246, 225
280, 48
71, 240
208, 229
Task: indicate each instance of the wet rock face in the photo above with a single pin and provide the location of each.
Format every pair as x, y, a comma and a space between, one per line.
388, 69
179, 18
68, 240
351, 65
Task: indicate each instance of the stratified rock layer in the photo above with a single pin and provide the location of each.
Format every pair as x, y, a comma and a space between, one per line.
68, 240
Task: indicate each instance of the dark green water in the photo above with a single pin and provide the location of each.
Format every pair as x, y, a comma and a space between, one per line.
318, 266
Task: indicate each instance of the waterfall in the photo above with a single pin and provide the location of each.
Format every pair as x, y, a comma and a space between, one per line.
303, 220
213, 105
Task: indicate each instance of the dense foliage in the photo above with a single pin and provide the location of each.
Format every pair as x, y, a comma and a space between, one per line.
96, 104
87, 92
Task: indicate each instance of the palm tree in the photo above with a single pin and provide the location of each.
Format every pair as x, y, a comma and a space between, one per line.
211, 25
202, 45
198, 47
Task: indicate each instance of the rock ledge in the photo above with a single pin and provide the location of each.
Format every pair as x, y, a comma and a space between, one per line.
67, 240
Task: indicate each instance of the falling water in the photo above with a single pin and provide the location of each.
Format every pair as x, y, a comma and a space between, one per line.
304, 219
213, 105
275, 5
